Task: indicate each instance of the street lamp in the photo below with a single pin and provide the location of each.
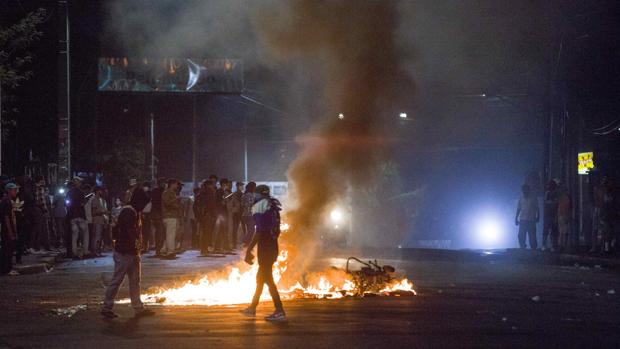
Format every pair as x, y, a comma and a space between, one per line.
403, 115
341, 116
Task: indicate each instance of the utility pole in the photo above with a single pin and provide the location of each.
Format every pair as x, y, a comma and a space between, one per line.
64, 94
194, 139
0, 126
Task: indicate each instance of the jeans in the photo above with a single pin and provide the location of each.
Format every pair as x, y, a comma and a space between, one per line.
124, 264
79, 227
171, 225
265, 277
250, 228
529, 228
97, 241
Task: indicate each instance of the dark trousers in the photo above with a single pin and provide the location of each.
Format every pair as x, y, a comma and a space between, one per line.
550, 230
39, 235
220, 232
529, 228
205, 229
67, 233
265, 277
7, 248
159, 232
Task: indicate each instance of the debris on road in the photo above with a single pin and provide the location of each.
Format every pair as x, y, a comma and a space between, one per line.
69, 311
536, 298
612, 291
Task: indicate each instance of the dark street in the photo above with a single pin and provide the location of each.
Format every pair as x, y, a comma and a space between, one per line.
478, 303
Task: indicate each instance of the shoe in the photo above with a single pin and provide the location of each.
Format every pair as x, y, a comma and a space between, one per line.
109, 314
13, 273
249, 312
277, 316
144, 312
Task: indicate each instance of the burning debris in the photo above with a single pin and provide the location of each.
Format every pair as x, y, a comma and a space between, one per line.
237, 286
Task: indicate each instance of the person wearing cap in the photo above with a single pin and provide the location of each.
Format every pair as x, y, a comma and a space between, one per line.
266, 213
10, 206
171, 212
76, 200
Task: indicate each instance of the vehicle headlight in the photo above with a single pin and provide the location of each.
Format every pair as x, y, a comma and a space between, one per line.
336, 216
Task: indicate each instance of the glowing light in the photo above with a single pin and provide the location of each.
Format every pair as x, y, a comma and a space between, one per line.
403, 115
336, 215
341, 116
490, 231
61, 191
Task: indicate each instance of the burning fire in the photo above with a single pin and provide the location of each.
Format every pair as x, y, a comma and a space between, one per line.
238, 284
237, 287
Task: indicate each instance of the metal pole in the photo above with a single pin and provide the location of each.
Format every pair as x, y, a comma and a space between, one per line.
194, 140
152, 132
245, 148
0, 126
68, 91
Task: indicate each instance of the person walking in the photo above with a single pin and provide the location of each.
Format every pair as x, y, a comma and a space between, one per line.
76, 201
247, 201
528, 215
126, 263
171, 212
266, 214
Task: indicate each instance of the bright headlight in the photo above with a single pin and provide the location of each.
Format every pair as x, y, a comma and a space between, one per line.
336, 215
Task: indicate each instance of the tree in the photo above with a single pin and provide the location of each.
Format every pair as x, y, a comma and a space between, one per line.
15, 58
122, 160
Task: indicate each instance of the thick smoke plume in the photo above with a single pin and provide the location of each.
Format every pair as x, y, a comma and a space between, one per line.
355, 42
351, 48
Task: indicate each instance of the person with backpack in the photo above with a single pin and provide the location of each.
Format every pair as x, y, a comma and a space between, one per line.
266, 213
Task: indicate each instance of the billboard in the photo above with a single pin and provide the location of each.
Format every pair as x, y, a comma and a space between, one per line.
585, 162
170, 75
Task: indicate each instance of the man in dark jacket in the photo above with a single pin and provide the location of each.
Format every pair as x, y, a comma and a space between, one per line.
127, 247
267, 217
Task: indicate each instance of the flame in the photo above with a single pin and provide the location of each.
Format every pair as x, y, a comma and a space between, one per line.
237, 284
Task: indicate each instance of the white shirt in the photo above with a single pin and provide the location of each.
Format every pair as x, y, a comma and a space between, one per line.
529, 208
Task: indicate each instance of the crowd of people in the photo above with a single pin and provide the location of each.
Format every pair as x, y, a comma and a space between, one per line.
79, 220
557, 218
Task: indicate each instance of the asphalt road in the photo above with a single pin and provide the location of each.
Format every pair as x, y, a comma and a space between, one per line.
475, 303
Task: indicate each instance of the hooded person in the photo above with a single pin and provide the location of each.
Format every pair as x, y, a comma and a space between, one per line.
266, 214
